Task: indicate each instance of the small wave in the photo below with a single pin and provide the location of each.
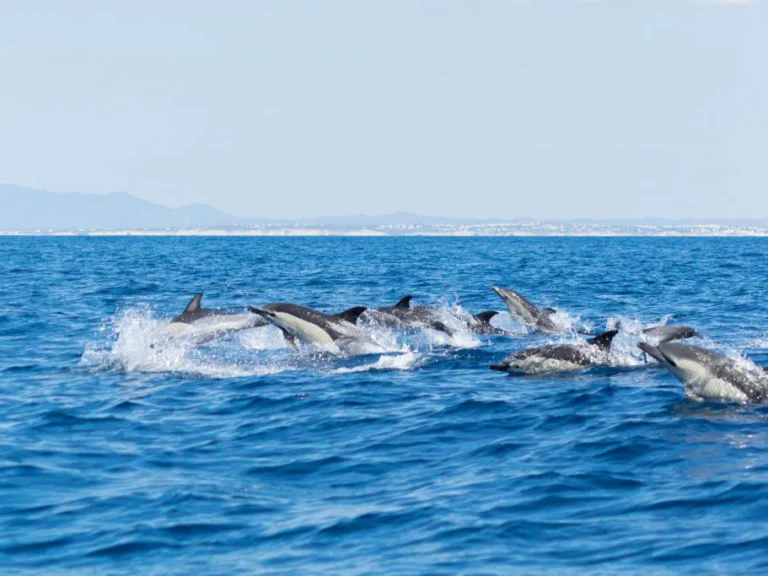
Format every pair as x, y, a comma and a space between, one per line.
405, 361
131, 547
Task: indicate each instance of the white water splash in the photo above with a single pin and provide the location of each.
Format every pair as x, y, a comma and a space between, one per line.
139, 341
405, 361
265, 338
624, 350
568, 322
744, 364
757, 343
565, 322
510, 324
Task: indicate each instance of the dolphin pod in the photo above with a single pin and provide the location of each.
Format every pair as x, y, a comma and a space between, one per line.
705, 375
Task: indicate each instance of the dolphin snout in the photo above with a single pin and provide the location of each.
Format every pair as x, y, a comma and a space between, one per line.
499, 291
652, 351
261, 312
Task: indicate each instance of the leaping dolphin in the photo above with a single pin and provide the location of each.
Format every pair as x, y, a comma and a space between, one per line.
403, 315
661, 334
203, 323
707, 375
336, 334
558, 357
538, 319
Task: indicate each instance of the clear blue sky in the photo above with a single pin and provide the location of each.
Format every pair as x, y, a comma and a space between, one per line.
542, 108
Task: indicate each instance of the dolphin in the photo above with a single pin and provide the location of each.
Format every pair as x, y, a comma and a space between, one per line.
481, 323
335, 334
538, 319
707, 375
662, 334
402, 315
203, 323
558, 357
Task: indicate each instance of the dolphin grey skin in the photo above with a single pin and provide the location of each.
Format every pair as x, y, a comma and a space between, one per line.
707, 375
558, 357
335, 334
403, 315
534, 318
201, 322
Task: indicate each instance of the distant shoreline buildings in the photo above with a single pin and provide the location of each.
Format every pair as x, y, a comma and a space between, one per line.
488, 229
30, 212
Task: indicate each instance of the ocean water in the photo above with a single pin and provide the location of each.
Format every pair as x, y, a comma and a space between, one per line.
238, 456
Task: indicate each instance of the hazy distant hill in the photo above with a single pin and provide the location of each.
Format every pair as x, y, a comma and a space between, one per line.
29, 209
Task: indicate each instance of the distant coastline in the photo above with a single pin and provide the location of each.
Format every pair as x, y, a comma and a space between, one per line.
485, 230
31, 212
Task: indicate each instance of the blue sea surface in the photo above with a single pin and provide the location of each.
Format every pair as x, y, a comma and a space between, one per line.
238, 456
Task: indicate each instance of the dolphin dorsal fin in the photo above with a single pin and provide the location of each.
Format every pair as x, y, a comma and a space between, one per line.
603, 340
352, 314
405, 302
194, 304
485, 317
548, 311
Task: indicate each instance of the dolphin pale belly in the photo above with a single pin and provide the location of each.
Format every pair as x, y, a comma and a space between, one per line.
707, 375
538, 319
558, 357
335, 334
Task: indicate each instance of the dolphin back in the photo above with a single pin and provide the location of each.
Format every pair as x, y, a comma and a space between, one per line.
604, 340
